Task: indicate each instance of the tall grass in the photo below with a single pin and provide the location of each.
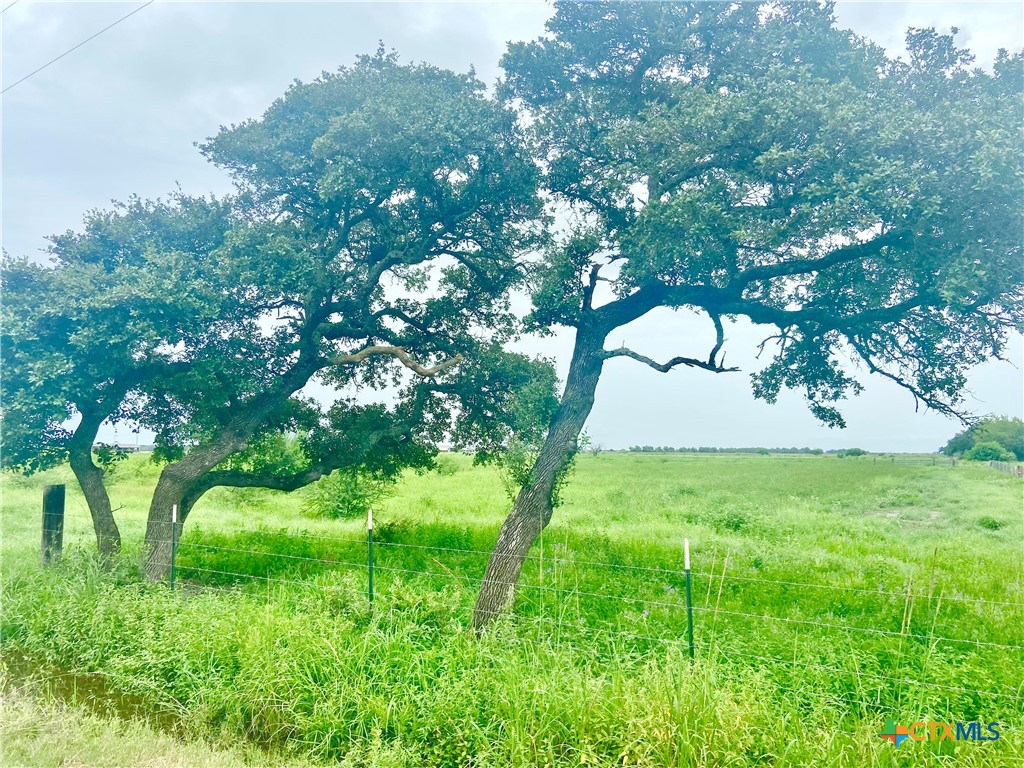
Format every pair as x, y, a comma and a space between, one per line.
268, 641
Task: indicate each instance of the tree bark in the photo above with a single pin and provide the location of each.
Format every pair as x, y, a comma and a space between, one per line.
533, 506
90, 478
174, 488
159, 525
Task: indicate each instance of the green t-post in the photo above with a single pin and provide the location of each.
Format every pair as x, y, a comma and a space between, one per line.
369, 553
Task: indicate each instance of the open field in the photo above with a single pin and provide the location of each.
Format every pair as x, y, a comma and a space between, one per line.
830, 595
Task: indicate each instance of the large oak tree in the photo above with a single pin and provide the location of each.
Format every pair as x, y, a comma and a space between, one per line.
751, 160
387, 207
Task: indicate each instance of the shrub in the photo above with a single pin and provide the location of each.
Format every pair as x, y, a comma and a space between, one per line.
1007, 432
852, 452
990, 523
446, 466
347, 493
988, 451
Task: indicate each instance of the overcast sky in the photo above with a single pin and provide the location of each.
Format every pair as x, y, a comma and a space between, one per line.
120, 116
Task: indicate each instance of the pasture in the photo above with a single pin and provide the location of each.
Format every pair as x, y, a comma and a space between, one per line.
830, 595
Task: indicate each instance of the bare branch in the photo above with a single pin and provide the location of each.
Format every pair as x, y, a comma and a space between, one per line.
719, 338
707, 365
404, 357
783, 339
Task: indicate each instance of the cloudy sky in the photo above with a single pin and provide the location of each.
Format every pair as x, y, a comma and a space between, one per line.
120, 116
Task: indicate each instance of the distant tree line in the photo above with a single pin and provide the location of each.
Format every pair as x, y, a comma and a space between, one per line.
840, 452
712, 449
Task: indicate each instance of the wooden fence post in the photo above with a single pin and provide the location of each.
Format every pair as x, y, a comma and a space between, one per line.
53, 523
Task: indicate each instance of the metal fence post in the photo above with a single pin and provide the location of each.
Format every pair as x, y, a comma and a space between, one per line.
174, 540
369, 554
689, 595
53, 523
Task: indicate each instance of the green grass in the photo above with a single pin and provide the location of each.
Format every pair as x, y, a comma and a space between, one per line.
842, 577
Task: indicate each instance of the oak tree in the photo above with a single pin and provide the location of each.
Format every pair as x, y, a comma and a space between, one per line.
751, 160
128, 300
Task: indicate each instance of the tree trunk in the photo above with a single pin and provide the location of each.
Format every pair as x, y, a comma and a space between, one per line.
533, 506
166, 496
168, 493
179, 478
90, 478
174, 488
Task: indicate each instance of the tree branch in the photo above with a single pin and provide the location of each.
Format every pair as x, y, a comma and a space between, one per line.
404, 317
707, 365
241, 479
764, 314
590, 287
842, 255
920, 396
404, 357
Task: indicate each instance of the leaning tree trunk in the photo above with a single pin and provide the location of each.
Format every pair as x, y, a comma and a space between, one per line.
175, 488
533, 506
159, 528
170, 494
90, 478
178, 481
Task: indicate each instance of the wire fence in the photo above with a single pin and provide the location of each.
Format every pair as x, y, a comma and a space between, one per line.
934, 461
739, 618
1007, 467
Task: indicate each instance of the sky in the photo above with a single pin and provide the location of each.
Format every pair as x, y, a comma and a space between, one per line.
120, 116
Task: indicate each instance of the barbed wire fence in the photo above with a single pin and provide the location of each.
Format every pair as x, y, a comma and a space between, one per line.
367, 571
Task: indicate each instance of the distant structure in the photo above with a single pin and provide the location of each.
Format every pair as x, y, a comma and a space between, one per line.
133, 447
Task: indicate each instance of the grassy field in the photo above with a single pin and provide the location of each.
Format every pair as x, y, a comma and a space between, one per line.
830, 595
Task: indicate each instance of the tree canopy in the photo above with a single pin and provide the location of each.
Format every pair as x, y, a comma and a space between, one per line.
130, 301
746, 161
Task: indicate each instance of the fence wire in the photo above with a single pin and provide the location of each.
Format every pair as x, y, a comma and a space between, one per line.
187, 572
